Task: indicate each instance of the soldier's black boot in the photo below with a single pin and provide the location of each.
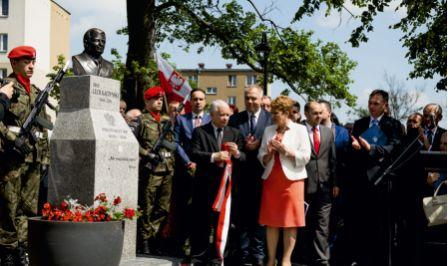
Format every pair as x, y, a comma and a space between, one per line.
143, 247
22, 256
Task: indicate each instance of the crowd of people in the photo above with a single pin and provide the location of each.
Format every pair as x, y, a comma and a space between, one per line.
303, 190
256, 187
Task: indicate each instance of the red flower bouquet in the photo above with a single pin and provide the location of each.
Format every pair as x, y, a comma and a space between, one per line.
102, 210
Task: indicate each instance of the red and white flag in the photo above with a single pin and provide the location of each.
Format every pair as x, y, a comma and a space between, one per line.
176, 87
221, 204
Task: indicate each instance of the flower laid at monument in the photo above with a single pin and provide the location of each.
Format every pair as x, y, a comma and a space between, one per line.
102, 210
89, 231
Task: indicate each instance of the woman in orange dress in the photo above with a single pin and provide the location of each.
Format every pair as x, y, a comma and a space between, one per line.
284, 152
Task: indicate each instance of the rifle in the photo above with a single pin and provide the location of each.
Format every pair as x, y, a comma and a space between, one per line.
154, 157
41, 100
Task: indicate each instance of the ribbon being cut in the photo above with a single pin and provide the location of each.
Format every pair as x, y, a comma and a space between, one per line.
222, 205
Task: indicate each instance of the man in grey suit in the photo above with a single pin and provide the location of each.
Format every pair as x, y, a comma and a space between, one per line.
321, 183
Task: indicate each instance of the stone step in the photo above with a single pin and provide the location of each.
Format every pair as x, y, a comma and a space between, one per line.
150, 261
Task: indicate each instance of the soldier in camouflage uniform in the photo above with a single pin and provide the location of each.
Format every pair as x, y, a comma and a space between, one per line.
21, 161
154, 184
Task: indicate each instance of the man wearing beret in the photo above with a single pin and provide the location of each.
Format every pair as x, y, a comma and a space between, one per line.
154, 182
21, 161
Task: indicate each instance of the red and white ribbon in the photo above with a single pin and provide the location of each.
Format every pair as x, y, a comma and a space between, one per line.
222, 205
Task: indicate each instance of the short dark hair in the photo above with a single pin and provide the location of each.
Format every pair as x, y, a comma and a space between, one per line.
307, 105
327, 103
382, 93
296, 104
197, 89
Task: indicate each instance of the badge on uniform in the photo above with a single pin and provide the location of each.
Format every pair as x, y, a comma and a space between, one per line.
374, 135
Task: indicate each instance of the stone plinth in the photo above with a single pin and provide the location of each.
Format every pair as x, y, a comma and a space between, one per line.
92, 148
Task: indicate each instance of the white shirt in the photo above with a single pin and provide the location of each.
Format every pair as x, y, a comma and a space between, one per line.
215, 131
377, 119
200, 115
257, 115
311, 132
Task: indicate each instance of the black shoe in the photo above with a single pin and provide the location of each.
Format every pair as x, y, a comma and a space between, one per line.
8, 259
22, 256
144, 248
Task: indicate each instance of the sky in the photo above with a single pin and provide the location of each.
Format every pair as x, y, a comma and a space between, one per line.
383, 53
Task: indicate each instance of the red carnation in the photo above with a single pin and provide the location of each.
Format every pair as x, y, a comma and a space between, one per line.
101, 197
129, 213
64, 205
117, 200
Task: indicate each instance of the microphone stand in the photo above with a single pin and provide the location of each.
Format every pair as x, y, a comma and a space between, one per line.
389, 171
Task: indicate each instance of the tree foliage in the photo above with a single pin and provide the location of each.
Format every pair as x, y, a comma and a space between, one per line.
312, 69
402, 101
424, 31
56, 92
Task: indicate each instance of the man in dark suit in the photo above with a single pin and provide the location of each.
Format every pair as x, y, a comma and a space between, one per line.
186, 123
251, 123
375, 141
206, 151
183, 181
432, 114
342, 143
321, 183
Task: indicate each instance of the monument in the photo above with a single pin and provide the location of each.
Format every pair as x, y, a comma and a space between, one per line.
90, 61
92, 148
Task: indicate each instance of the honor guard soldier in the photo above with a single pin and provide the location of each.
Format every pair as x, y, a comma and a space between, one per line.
156, 171
21, 160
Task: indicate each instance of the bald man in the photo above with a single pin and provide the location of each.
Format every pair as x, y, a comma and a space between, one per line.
210, 157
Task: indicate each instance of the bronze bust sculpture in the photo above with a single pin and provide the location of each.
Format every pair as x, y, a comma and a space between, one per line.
90, 61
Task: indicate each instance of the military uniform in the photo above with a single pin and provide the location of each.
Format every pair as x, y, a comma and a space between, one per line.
19, 175
155, 184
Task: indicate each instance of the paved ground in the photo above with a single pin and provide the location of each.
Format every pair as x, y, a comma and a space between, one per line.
150, 260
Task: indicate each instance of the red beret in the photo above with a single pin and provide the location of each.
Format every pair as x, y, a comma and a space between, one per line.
22, 51
153, 92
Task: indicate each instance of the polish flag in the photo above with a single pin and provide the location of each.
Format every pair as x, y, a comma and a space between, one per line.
176, 87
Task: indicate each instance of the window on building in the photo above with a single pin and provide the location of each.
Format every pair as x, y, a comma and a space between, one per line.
193, 78
231, 100
3, 42
231, 81
212, 90
3, 73
4, 7
251, 80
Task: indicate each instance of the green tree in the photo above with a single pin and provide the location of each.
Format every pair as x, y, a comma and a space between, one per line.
358, 112
311, 68
56, 92
424, 31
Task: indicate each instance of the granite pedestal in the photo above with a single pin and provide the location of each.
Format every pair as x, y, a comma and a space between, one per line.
92, 148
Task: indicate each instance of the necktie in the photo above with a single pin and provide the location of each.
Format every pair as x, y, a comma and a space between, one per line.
219, 136
429, 136
252, 123
197, 121
316, 139
374, 123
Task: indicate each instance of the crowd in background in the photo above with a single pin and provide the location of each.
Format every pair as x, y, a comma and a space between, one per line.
304, 188
251, 187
